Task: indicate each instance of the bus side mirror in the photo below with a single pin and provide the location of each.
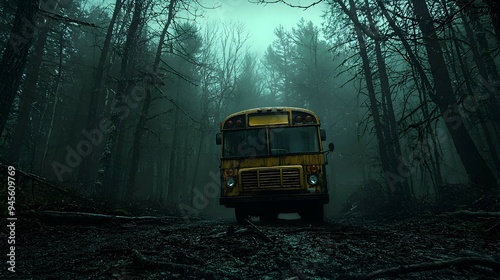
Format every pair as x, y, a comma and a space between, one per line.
218, 138
322, 132
331, 147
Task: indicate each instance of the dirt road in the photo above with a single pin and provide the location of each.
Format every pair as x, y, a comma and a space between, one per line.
342, 247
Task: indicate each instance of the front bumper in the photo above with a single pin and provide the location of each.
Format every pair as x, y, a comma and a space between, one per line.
296, 199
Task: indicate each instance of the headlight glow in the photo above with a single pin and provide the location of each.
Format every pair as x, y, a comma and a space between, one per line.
230, 182
313, 179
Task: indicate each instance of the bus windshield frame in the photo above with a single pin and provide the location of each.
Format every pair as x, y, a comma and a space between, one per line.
271, 141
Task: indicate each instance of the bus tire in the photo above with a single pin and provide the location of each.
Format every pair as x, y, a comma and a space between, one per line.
319, 215
314, 213
241, 214
269, 216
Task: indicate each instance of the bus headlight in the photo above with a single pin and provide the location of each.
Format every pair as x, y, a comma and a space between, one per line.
230, 182
313, 179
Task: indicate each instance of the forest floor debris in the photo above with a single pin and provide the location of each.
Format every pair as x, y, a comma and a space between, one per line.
345, 247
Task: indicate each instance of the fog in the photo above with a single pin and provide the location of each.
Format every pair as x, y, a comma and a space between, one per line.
121, 100
197, 139
261, 19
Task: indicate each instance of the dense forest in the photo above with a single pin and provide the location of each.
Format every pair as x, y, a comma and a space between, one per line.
122, 99
110, 111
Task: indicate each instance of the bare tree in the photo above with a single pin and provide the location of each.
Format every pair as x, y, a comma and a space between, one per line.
152, 80
126, 73
84, 170
15, 55
475, 166
494, 10
28, 95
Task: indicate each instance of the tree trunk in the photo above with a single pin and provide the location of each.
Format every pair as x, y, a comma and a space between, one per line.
172, 188
426, 86
394, 181
56, 90
386, 166
481, 54
435, 168
27, 96
185, 173
475, 166
468, 85
120, 110
136, 149
15, 55
203, 127
194, 182
494, 10
83, 171
160, 183
139, 130
391, 135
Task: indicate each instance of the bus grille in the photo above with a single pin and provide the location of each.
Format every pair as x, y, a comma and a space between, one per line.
271, 178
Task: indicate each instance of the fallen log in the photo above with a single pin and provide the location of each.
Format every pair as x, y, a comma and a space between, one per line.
47, 183
396, 271
61, 217
479, 214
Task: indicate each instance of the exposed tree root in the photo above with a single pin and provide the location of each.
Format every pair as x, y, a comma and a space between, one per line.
458, 262
259, 232
493, 227
184, 269
232, 232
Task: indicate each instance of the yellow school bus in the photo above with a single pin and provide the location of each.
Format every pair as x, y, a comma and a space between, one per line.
272, 161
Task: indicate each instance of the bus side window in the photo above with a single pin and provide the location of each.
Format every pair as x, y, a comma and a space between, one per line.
323, 134
229, 147
218, 138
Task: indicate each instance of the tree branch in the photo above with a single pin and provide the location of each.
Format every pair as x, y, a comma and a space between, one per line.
59, 17
304, 7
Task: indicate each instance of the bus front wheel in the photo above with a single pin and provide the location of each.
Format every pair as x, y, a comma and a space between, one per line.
270, 216
314, 213
241, 214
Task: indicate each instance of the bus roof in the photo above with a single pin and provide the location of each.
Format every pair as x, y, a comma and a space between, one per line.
270, 109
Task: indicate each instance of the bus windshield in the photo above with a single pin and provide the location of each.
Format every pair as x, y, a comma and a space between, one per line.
282, 141
293, 140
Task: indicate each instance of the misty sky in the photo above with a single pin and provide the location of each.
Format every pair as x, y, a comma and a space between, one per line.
261, 20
